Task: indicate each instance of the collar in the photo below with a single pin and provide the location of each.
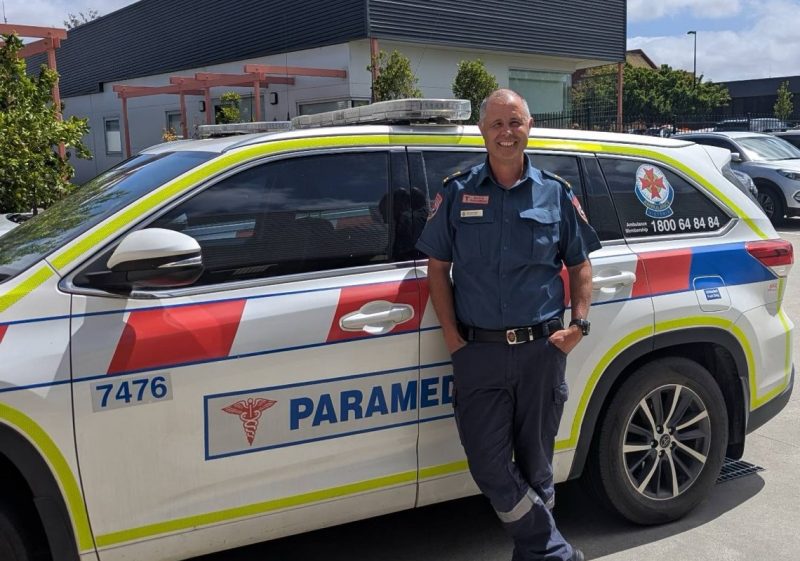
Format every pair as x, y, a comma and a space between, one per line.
529, 172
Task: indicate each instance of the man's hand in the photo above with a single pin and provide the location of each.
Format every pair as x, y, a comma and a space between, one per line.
454, 342
566, 339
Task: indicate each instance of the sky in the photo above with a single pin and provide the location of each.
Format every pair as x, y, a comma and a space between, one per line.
736, 39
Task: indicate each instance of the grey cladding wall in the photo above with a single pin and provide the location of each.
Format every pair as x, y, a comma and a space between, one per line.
578, 28
157, 36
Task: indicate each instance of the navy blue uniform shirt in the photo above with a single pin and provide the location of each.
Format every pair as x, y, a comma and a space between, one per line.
507, 246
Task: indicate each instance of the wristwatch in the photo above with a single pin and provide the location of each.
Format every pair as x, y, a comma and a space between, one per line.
584, 324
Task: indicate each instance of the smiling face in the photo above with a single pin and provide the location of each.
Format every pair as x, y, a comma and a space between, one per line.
505, 126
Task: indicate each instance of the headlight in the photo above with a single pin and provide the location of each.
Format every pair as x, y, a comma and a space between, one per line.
790, 174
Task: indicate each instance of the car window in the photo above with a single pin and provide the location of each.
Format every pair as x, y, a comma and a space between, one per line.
303, 214
599, 206
89, 205
761, 148
718, 142
652, 200
793, 139
439, 164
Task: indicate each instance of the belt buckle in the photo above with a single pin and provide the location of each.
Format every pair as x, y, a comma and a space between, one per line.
511, 337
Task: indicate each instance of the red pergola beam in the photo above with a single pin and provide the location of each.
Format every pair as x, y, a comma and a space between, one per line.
39, 47
294, 71
33, 31
210, 79
144, 91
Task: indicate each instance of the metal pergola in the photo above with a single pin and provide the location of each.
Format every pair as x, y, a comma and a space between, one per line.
256, 76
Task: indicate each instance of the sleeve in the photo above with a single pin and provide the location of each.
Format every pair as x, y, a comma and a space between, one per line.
436, 239
578, 238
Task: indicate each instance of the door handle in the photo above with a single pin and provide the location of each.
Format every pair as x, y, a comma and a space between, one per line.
377, 317
624, 278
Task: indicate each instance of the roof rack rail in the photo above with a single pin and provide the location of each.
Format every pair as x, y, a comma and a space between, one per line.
398, 111
231, 129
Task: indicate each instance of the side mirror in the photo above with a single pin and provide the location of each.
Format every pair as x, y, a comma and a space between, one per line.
151, 258
736, 157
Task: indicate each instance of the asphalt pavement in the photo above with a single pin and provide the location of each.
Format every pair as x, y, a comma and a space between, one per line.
752, 518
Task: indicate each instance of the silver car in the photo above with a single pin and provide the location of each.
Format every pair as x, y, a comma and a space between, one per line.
773, 163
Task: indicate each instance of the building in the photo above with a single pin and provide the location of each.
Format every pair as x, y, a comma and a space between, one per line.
533, 47
757, 97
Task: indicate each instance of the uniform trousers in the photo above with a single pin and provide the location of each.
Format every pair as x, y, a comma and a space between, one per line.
508, 401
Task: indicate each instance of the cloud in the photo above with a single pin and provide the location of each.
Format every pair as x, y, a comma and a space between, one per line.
52, 13
647, 10
768, 46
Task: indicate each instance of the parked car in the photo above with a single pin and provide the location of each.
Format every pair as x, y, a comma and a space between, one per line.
12, 220
773, 163
230, 340
758, 124
791, 136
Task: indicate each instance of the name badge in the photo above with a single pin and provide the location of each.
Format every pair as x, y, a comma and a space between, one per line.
472, 213
475, 199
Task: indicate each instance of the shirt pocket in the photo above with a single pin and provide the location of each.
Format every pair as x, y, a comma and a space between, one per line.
474, 235
544, 227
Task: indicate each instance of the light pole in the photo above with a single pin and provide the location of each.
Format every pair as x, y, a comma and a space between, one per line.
694, 68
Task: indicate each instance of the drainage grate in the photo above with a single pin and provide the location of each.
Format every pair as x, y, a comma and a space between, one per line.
733, 469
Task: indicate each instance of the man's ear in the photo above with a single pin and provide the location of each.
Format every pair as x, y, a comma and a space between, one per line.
531, 123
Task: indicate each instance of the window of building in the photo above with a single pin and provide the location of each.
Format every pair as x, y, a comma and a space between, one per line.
653, 201
113, 136
314, 107
297, 215
174, 123
545, 92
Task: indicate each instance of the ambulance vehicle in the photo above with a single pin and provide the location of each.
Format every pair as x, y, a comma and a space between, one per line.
229, 340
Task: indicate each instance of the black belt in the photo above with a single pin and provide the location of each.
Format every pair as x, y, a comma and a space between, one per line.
513, 336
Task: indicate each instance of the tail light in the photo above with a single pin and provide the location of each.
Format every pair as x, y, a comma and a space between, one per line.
777, 255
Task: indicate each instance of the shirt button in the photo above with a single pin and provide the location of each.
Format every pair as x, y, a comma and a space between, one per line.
506, 220
505, 248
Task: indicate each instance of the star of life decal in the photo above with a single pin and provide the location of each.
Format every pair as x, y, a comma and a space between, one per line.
654, 191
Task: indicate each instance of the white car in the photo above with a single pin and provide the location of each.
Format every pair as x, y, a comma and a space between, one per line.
230, 340
773, 163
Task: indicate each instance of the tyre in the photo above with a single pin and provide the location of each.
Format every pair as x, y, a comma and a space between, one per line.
771, 202
16, 541
661, 443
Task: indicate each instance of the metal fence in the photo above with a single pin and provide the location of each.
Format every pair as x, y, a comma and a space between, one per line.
604, 118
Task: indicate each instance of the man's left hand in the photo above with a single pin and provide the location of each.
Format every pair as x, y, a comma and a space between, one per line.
566, 339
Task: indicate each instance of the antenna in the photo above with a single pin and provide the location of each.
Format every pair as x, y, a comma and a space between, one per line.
5, 19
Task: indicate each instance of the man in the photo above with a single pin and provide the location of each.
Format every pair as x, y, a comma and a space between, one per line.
506, 228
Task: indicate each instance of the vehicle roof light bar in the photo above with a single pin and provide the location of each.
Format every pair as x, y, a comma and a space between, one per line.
397, 111
230, 129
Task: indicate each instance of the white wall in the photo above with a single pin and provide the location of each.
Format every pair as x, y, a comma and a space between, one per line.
434, 66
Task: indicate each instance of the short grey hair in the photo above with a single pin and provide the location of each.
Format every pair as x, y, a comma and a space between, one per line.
502, 93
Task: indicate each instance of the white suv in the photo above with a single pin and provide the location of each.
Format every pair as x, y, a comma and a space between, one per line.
230, 340
773, 163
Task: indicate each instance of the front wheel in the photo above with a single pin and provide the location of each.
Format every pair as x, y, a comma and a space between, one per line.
772, 203
17, 541
661, 443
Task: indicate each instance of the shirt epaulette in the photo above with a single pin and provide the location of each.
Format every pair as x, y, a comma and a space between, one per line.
551, 175
454, 176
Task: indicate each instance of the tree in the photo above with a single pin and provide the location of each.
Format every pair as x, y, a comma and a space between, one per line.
475, 83
783, 106
395, 79
664, 93
74, 21
653, 94
32, 174
229, 108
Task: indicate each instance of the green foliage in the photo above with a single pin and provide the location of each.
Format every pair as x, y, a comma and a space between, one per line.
229, 108
475, 83
32, 174
395, 79
657, 94
665, 92
784, 107
74, 20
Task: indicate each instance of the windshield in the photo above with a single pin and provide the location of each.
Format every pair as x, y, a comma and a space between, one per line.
89, 205
761, 148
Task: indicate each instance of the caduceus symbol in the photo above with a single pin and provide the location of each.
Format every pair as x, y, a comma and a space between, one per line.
249, 411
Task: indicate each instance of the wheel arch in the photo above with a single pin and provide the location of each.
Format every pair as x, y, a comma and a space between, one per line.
23, 465
717, 350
